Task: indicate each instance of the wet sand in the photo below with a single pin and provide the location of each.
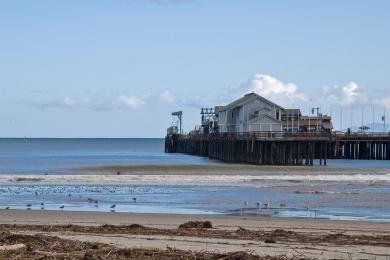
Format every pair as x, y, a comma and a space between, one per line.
225, 169
287, 237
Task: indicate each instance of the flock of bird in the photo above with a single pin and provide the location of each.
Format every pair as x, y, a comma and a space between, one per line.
61, 207
259, 205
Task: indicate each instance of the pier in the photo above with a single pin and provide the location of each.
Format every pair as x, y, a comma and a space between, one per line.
282, 148
362, 146
255, 130
262, 148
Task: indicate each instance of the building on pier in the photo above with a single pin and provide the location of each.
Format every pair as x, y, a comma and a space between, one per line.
251, 113
293, 121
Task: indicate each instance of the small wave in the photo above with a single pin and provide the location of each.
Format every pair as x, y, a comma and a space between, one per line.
328, 192
230, 180
26, 179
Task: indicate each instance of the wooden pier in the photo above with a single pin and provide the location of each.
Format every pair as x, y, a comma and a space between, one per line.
263, 148
282, 148
361, 146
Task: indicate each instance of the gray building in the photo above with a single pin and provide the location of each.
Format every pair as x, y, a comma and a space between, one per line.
250, 113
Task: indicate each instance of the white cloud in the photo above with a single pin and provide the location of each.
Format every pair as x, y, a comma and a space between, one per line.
129, 101
122, 101
71, 102
384, 101
343, 95
272, 88
167, 96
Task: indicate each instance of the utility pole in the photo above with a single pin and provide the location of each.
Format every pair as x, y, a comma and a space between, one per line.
309, 119
384, 119
341, 118
373, 117
351, 118
318, 110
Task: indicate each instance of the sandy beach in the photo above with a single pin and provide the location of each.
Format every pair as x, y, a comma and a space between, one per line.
289, 238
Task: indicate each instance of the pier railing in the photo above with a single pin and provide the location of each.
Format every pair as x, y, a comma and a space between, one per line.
369, 136
264, 136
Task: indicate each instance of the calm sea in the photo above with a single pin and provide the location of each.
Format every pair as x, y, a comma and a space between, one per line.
30, 173
36, 156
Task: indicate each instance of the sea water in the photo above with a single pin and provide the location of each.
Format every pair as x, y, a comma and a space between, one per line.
31, 173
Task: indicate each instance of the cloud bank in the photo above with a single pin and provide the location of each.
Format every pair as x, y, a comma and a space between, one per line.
278, 91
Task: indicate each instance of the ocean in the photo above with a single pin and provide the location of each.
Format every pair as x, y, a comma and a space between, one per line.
31, 172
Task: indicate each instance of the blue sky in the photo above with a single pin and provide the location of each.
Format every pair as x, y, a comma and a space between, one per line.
104, 68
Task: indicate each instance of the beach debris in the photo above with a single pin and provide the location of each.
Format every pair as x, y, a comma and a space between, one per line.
21, 246
282, 204
15, 248
197, 224
270, 241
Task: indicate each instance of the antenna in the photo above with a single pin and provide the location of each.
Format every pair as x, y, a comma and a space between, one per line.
179, 115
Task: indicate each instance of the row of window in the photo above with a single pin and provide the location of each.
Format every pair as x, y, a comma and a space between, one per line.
289, 117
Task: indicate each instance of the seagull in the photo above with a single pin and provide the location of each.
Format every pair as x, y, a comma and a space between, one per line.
266, 205
28, 205
134, 199
7, 208
42, 203
62, 207
258, 204
113, 206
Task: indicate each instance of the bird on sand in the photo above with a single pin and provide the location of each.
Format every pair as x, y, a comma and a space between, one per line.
62, 207
113, 206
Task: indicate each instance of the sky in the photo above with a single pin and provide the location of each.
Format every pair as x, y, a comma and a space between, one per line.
118, 68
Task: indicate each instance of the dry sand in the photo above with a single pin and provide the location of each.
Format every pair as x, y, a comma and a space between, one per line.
291, 238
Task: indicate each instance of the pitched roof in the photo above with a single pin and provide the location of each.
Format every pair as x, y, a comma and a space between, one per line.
249, 98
